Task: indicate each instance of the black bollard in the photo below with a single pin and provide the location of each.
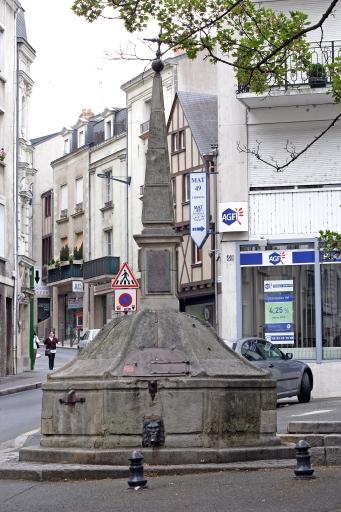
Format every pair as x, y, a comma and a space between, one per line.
303, 468
136, 478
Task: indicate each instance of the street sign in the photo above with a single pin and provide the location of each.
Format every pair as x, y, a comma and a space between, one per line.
125, 278
77, 286
199, 207
233, 217
125, 299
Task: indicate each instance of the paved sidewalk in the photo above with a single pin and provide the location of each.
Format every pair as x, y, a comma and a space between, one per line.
262, 490
28, 380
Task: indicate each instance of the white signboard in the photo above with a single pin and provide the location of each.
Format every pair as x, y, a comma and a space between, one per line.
283, 285
198, 207
277, 258
233, 217
41, 291
125, 300
77, 286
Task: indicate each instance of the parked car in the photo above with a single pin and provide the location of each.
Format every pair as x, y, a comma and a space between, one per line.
293, 377
88, 336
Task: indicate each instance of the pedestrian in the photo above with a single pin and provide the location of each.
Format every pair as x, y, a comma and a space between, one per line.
51, 348
36, 345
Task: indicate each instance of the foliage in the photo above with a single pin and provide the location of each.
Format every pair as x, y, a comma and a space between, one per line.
254, 39
78, 252
330, 244
64, 253
317, 70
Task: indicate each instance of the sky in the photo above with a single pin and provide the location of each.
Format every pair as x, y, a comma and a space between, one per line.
72, 70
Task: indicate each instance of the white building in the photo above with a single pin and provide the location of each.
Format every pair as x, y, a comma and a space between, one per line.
16, 182
285, 211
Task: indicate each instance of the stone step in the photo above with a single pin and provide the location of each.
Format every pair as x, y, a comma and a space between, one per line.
314, 427
313, 439
164, 456
62, 472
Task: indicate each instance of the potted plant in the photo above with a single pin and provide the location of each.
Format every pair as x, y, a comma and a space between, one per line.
2, 154
317, 76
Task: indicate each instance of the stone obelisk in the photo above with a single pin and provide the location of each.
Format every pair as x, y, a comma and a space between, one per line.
158, 240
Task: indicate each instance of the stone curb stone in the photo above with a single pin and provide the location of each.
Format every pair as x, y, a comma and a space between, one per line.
18, 389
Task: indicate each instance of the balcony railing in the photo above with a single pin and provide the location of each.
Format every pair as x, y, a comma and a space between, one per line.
64, 272
322, 53
106, 266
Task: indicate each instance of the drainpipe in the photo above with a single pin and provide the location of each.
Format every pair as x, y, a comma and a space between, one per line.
15, 201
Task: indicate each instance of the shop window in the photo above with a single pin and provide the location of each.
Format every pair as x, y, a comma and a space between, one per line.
331, 310
278, 303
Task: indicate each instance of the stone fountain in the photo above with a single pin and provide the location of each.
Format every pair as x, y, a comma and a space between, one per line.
157, 380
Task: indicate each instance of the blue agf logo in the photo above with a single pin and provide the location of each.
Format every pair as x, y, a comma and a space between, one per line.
275, 258
230, 216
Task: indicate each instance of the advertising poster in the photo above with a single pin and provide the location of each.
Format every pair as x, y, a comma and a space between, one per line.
279, 311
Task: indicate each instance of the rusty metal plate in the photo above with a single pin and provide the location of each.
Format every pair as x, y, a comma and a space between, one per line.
151, 362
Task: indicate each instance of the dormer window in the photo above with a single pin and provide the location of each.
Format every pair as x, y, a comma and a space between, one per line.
81, 137
108, 129
67, 145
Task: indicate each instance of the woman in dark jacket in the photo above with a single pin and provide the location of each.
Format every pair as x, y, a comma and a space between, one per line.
51, 348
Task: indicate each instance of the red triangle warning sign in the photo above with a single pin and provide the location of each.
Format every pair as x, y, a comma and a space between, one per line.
125, 278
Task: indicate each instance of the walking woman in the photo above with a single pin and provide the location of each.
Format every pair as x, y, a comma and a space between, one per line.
51, 348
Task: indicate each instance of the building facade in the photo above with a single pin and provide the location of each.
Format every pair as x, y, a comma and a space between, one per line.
275, 282
16, 191
193, 137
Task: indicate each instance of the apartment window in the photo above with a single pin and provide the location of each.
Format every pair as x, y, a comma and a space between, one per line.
79, 239
173, 184
108, 190
46, 249
64, 241
2, 230
79, 193
196, 255
108, 242
67, 145
2, 51
81, 138
47, 206
63, 201
108, 129
185, 188
178, 142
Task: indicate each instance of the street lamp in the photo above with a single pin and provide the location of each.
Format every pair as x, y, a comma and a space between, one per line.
108, 176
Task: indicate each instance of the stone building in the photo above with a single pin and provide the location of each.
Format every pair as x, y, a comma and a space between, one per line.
16, 189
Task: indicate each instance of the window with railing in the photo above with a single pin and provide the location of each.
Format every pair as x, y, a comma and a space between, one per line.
322, 54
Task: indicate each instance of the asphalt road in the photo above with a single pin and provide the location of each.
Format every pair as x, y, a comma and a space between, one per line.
320, 409
20, 412
237, 491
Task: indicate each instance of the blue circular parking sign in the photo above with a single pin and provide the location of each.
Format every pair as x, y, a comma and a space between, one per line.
125, 300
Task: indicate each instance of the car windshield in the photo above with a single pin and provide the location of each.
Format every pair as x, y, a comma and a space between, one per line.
268, 351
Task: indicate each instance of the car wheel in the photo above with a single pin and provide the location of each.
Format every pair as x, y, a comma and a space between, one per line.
305, 390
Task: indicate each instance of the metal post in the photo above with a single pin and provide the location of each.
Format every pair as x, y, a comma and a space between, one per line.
318, 306
303, 468
136, 478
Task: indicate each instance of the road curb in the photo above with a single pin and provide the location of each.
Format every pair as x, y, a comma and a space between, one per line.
18, 389
59, 472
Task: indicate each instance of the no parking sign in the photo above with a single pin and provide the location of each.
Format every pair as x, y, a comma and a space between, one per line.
125, 299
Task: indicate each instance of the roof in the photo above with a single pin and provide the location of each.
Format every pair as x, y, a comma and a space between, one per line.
43, 138
21, 25
201, 111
